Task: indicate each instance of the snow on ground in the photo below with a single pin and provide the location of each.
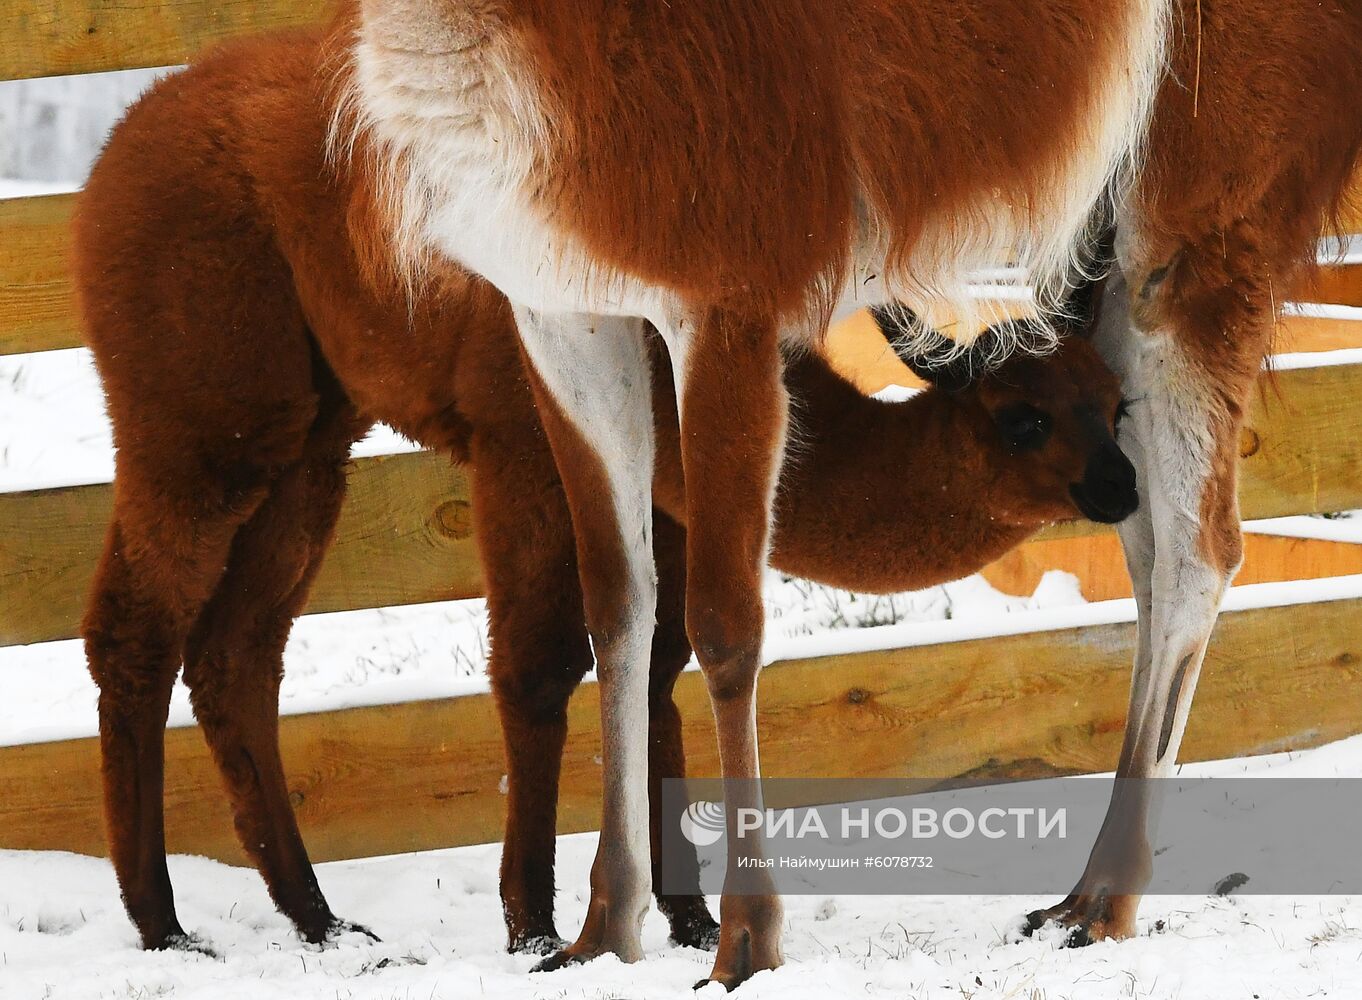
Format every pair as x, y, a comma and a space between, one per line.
63, 934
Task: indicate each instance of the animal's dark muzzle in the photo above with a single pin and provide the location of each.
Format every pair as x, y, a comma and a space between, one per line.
1108, 493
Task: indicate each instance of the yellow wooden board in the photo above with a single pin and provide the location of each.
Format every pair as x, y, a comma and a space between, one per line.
57, 37
1100, 567
36, 308
405, 536
857, 349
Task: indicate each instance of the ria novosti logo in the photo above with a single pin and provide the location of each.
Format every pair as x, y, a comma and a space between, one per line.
703, 823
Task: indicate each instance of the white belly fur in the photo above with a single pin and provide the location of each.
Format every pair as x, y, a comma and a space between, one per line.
463, 126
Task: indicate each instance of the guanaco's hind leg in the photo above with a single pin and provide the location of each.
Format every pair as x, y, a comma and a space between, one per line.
1188, 341
234, 660
209, 401
134, 631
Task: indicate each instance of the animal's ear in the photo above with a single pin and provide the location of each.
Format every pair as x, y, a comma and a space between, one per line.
930, 356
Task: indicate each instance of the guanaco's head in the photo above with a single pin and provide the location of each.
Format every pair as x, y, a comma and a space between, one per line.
1047, 425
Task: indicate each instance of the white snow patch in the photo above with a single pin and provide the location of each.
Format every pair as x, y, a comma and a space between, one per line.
11, 188
1315, 359
1345, 526
63, 933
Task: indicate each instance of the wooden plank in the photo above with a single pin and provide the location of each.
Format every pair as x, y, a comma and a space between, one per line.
1302, 454
405, 536
36, 308
1302, 444
856, 348
1310, 334
1339, 284
59, 37
1021, 706
1098, 563
858, 351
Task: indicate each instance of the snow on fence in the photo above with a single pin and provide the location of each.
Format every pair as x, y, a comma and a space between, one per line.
1283, 672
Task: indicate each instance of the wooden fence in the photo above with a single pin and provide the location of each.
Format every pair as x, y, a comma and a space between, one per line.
1039, 704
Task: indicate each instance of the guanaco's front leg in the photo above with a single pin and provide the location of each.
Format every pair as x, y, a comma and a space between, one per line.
733, 419
1188, 344
594, 386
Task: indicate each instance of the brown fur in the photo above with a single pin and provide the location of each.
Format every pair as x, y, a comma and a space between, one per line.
229, 274
753, 197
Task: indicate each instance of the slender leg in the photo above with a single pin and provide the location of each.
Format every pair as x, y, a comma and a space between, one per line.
164, 553
689, 916
1195, 334
540, 651
733, 420
593, 382
234, 663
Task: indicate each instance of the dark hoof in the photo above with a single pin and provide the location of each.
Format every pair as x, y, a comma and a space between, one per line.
561, 960
345, 928
189, 943
1079, 936
336, 932
537, 944
697, 931
1082, 925
1076, 936
729, 985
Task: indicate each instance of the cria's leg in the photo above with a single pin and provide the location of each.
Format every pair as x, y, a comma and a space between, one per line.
1188, 341
133, 634
540, 651
234, 661
733, 420
594, 386
211, 383
172, 529
689, 916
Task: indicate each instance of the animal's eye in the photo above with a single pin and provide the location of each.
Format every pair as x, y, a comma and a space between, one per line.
1024, 428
